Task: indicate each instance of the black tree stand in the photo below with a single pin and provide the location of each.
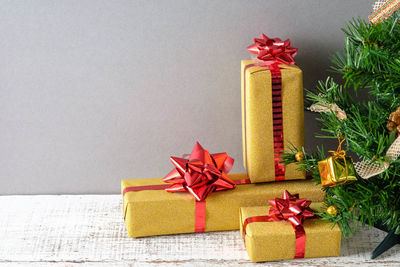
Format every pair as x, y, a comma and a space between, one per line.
388, 242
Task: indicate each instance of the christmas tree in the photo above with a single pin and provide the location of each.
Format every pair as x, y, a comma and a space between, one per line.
369, 65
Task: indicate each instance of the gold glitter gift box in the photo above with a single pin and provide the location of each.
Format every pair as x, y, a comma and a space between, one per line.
276, 240
258, 121
157, 212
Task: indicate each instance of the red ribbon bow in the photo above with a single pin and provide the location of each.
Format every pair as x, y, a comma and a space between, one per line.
273, 50
289, 208
201, 174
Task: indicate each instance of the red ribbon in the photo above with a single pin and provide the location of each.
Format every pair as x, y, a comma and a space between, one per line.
165, 186
289, 208
272, 52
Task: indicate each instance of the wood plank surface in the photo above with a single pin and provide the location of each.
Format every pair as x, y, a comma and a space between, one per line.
88, 230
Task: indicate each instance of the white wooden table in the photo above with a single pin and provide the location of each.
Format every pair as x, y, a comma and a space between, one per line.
89, 230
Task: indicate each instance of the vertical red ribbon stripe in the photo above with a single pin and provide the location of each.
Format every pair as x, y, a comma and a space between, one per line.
277, 117
200, 216
200, 210
300, 242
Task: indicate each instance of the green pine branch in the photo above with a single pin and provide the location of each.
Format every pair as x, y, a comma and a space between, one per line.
370, 64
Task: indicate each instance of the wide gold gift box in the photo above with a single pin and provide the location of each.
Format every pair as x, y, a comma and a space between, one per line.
270, 241
257, 119
157, 212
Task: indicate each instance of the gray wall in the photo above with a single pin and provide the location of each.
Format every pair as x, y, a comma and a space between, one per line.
92, 92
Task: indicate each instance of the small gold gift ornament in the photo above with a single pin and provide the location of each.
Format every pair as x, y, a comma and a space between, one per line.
337, 169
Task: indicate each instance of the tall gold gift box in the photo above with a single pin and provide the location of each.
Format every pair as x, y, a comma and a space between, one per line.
157, 212
257, 119
270, 241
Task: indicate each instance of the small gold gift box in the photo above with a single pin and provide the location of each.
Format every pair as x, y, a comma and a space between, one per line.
336, 170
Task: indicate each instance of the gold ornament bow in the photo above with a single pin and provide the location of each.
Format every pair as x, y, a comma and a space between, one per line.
339, 153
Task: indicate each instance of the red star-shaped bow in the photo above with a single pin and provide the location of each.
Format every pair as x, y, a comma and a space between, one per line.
290, 208
201, 174
273, 49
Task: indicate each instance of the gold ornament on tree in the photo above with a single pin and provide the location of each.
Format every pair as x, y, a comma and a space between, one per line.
332, 210
299, 156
